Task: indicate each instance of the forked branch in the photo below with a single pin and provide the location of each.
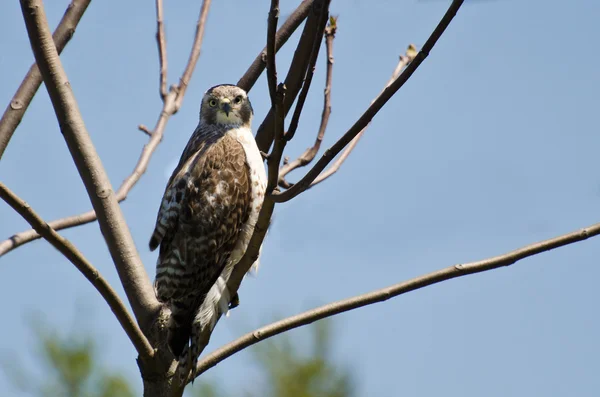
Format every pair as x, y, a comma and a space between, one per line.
309, 154
171, 104
368, 115
112, 224
384, 294
290, 25
66, 248
410, 54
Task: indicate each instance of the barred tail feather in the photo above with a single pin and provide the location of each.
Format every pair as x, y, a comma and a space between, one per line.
157, 236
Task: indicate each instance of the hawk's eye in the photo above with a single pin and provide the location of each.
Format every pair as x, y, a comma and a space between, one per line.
212, 103
238, 99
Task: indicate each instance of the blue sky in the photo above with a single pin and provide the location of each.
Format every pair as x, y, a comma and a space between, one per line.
491, 145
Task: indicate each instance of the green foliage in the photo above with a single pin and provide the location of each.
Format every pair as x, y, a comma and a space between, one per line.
71, 369
291, 373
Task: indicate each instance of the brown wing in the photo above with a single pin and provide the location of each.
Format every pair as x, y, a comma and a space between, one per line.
204, 208
210, 203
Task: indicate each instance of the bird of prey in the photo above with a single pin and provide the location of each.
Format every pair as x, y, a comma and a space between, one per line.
207, 216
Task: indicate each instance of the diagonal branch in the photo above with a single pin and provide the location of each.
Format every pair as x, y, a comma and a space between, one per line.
63, 245
171, 103
194, 55
31, 83
411, 52
384, 294
309, 154
112, 224
368, 115
290, 25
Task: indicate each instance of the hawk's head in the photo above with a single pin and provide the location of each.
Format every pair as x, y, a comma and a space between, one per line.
226, 105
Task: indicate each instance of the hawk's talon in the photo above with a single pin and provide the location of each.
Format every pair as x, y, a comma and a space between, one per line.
264, 155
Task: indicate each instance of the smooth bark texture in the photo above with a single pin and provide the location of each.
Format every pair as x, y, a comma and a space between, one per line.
384, 294
31, 83
112, 224
135, 334
288, 28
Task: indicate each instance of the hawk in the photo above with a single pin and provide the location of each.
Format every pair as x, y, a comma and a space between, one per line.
207, 216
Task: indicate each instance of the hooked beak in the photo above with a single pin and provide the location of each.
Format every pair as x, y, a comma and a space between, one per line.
226, 107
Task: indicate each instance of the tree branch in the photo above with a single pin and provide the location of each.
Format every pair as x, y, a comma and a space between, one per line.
249, 78
297, 71
171, 104
270, 53
411, 52
31, 83
384, 294
194, 55
310, 71
162, 49
368, 115
112, 224
65, 247
309, 154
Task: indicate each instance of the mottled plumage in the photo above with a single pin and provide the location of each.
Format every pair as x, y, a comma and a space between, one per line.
207, 216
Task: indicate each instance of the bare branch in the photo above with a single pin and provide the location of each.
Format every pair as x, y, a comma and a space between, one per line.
31, 83
162, 49
112, 224
65, 247
280, 138
384, 294
368, 115
309, 154
313, 28
171, 104
270, 53
249, 78
310, 71
144, 129
194, 55
275, 156
411, 52
278, 111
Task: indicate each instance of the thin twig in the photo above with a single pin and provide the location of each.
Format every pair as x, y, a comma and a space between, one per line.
112, 223
162, 49
144, 129
384, 294
270, 54
31, 83
310, 71
309, 154
290, 25
194, 55
368, 115
65, 247
171, 105
411, 52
